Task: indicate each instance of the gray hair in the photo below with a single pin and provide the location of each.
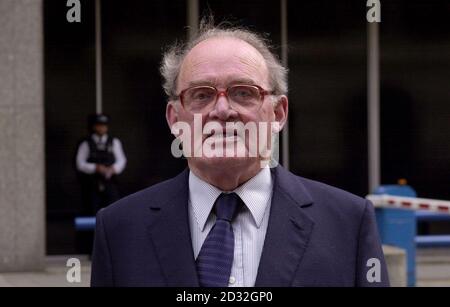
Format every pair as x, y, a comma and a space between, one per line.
174, 56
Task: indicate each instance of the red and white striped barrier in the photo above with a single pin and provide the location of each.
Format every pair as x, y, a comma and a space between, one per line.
389, 201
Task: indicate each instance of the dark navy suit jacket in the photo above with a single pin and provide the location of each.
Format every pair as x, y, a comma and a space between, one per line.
317, 236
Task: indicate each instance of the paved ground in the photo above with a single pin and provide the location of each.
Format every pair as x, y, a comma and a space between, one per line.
55, 274
433, 269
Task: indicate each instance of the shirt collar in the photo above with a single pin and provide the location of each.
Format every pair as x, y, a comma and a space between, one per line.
256, 194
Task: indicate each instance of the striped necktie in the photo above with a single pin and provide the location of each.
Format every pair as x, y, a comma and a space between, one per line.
216, 255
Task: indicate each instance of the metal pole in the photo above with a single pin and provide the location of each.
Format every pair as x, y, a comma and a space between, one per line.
284, 61
373, 104
98, 58
192, 17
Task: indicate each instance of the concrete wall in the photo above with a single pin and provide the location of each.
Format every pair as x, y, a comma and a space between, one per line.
396, 265
22, 180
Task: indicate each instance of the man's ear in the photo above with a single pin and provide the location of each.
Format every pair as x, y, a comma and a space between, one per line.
171, 113
281, 111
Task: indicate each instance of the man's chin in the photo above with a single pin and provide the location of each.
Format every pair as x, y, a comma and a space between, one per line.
224, 162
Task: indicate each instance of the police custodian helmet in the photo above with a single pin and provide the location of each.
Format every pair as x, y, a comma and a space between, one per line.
98, 119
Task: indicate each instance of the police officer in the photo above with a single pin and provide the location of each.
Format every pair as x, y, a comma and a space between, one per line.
100, 158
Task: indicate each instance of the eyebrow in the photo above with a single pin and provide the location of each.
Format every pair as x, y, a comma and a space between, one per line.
213, 83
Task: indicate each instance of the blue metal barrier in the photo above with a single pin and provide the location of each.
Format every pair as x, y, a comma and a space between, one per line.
431, 216
398, 227
85, 223
433, 241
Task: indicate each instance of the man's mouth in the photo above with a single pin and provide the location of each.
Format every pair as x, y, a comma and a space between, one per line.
224, 134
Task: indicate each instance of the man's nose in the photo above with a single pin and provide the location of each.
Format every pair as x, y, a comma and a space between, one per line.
222, 102
222, 109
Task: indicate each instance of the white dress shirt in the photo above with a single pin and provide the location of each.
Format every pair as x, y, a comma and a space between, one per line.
249, 226
83, 155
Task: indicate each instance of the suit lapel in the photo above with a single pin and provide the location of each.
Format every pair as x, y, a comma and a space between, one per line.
286, 239
288, 231
170, 234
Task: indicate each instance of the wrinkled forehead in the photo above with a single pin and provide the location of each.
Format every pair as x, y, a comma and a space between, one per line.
222, 61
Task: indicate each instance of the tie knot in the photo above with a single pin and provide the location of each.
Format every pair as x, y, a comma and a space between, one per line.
227, 205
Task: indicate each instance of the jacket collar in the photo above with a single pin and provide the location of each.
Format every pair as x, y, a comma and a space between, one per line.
288, 232
286, 239
170, 234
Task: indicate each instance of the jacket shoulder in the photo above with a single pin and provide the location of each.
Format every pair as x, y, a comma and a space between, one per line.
324, 190
135, 204
323, 196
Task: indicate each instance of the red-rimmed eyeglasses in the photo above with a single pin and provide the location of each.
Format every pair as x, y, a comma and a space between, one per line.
203, 97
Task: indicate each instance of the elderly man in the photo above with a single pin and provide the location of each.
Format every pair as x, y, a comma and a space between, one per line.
229, 219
